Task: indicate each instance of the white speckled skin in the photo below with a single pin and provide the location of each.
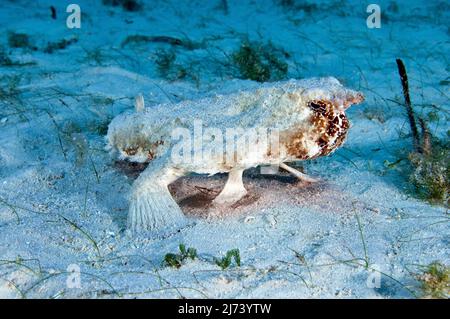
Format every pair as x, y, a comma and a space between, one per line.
147, 135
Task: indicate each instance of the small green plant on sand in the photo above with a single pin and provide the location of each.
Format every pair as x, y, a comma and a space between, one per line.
430, 159
260, 62
176, 260
59, 45
225, 262
167, 67
95, 56
9, 89
431, 173
6, 61
164, 60
19, 40
141, 39
297, 5
435, 280
127, 5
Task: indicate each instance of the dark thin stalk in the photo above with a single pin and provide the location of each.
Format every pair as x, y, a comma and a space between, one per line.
426, 137
53, 11
59, 135
366, 256
409, 109
224, 5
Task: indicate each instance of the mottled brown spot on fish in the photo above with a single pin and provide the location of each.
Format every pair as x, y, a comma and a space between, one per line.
131, 150
294, 145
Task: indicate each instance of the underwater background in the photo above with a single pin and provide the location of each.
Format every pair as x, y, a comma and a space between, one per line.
377, 226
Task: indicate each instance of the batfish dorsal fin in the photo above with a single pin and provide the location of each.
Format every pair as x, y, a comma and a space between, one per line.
139, 103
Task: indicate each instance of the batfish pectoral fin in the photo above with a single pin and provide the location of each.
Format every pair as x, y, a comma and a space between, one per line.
152, 208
